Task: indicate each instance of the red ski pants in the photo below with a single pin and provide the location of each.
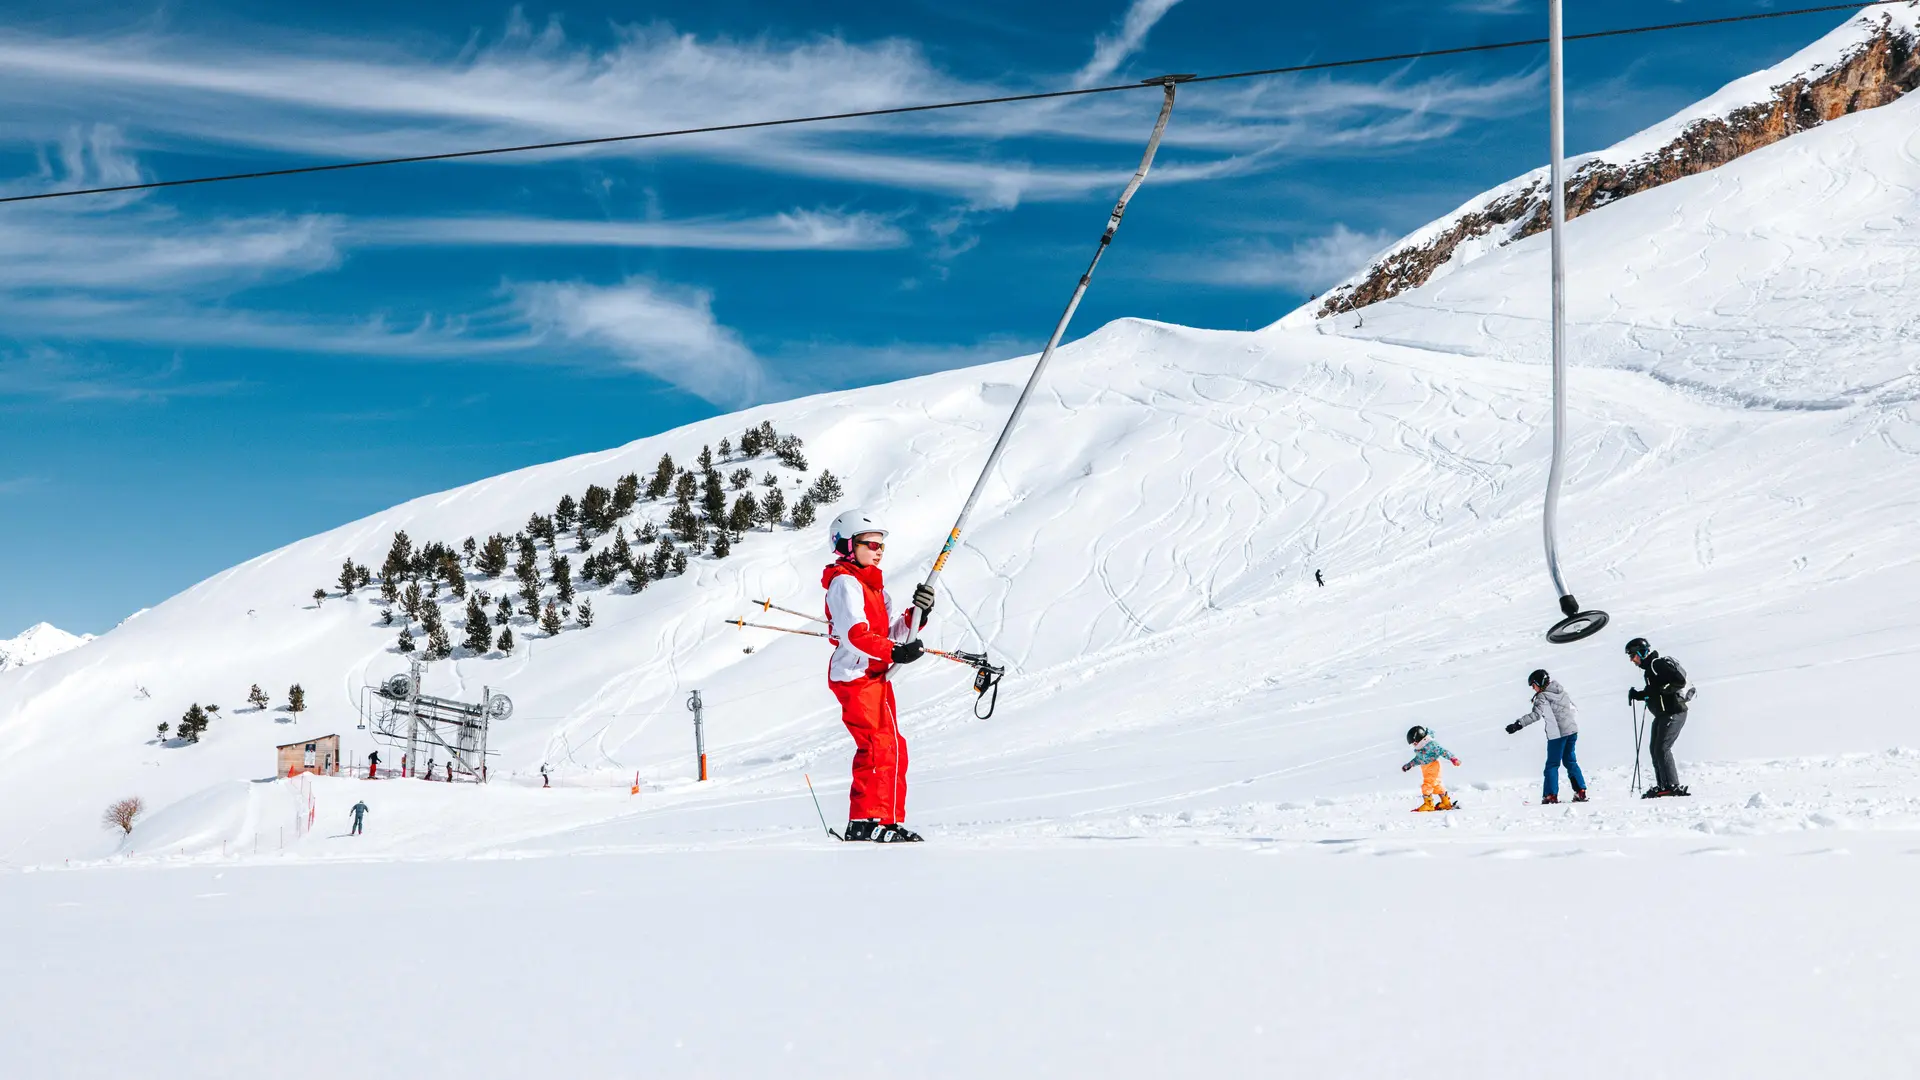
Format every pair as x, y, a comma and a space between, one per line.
879, 755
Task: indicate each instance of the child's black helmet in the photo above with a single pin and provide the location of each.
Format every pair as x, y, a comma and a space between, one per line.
1638, 648
1539, 679
1415, 734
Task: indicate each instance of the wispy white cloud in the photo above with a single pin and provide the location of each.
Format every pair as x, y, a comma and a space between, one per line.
52, 375
667, 331
1112, 50
1314, 264
798, 230
1493, 7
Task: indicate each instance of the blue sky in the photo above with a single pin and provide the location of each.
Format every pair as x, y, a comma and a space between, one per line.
189, 378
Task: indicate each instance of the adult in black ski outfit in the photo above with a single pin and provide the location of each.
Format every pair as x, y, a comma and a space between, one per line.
1666, 698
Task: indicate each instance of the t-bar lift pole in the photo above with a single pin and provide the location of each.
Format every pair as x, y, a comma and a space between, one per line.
1168, 82
1577, 624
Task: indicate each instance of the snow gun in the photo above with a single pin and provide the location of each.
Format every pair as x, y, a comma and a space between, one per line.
986, 673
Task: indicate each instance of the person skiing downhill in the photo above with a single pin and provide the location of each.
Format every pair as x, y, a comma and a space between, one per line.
868, 640
1322, 582
1552, 707
1427, 754
1666, 696
373, 765
359, 812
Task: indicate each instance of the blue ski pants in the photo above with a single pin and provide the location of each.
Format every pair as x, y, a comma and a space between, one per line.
1560, 751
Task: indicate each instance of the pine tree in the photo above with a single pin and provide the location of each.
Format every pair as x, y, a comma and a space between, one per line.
683, 521
685, 486
193, 723
504, 614
789, 453
722, 544
411, 601
773, 508
826, 488
296, 701
770, 480
580, 541
550, 620
386, 616
399, 557
745, 512
647, 534
626, 494
257, 698
584, 615
349, 577
750, 443
362, 577
530, 598
541, 528
662, 558
164, 728
740, 478
662, 481
439, 645
505, 644
803, 512
389, 587
596, 509
455, 577
318, 596
471, 548
638, 578
563, 513
479, 630
563, 578
621, 554
492, 560
769, 438
706, 459
726, 450
713, 498
405, 643
679, 562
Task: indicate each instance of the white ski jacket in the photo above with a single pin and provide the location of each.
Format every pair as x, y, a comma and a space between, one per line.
847, 610
1553, 706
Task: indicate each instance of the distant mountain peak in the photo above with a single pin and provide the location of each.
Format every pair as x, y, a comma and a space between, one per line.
1869, 61
38, 642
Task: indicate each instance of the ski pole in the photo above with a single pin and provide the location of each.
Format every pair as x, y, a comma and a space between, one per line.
769, 605
743, 624
816, 807
974, 660
1635, 709
1168, 83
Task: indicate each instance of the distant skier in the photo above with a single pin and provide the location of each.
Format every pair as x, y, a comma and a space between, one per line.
1666, 695
359, 815
545, 780
1427, 754
1552, 706
373, 765
449, 771
868, 641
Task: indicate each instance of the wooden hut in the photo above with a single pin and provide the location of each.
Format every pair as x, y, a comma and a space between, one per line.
321, 755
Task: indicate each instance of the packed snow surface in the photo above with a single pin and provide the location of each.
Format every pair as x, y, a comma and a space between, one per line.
1181, 845
37, 643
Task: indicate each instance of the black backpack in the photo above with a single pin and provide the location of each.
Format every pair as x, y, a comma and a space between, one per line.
1674, 698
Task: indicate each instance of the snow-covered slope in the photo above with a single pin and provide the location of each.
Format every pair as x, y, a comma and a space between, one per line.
1870, 60
37, 643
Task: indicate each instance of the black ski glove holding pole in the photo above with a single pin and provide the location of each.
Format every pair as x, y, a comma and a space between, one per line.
1636, 694
908, 652
923, 599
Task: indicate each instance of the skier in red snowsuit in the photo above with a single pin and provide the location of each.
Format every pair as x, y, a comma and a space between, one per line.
868, 641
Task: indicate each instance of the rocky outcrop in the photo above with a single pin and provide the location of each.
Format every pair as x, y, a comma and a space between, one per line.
1880, 69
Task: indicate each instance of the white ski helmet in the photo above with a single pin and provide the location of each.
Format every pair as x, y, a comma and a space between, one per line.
850, 524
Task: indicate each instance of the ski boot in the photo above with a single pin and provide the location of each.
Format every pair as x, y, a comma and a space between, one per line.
1679, 792
1551, 800
1662, 792
860, 829
896, 834
1426, 804
1579, 794
1446, 803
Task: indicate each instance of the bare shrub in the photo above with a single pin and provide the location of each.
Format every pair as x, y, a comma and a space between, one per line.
121, 814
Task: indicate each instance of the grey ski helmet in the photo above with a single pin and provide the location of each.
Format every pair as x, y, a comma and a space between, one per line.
1638, 648
1539, 679
1415, 734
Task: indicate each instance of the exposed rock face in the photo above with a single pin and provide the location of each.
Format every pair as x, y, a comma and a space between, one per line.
1879, 70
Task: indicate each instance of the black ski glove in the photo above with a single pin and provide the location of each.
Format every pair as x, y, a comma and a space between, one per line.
923, 599
1636, 694
909, 652
1514, 728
